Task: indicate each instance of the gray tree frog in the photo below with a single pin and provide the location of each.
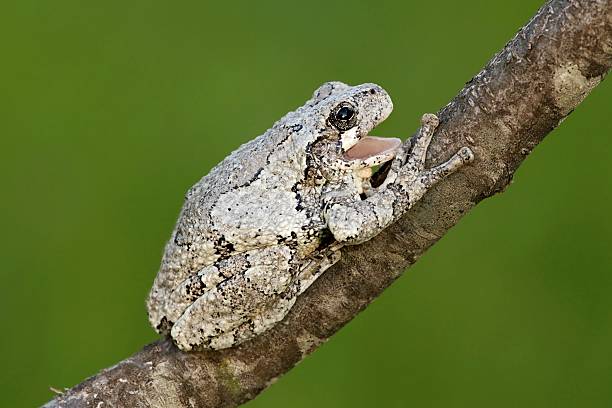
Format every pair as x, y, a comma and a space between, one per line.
268, 220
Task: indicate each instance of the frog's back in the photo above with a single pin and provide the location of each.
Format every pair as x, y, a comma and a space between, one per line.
195, 242
241, 168
238, 169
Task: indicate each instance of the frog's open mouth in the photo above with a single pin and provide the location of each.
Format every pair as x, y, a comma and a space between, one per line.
373, 150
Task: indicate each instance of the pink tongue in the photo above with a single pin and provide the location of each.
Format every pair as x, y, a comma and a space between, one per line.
370, 146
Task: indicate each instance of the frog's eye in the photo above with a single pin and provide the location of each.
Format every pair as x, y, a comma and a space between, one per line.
344, 116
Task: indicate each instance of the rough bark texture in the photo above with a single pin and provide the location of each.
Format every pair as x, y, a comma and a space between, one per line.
502, 114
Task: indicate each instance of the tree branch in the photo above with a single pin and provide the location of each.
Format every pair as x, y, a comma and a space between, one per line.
523, 93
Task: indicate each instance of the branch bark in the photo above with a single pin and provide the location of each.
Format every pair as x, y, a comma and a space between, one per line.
522, 94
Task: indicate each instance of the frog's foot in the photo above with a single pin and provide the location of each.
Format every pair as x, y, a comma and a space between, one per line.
432, 176
315, 268
410, 157
429, 124
413, 176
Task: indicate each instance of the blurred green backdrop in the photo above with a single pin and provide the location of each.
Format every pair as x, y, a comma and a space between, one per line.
111, 110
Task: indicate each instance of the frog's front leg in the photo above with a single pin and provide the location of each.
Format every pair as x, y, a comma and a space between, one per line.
353, 221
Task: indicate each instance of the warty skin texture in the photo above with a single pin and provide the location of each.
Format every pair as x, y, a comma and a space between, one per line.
256, 231
518, 83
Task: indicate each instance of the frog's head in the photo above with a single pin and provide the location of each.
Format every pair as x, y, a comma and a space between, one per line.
347, 115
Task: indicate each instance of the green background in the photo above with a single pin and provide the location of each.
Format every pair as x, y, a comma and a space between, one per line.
110, 110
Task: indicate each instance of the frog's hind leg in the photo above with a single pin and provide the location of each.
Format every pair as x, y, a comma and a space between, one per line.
211, 320
275, 312
191, 289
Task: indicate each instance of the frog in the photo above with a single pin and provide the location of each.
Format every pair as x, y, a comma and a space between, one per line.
267, 221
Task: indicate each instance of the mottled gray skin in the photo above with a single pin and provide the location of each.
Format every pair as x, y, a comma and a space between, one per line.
256, 231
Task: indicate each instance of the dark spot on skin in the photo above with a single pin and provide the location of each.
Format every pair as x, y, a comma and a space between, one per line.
296, 128
372, 91
180, 239
164, 325
327, 239
224, 248
298, 197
